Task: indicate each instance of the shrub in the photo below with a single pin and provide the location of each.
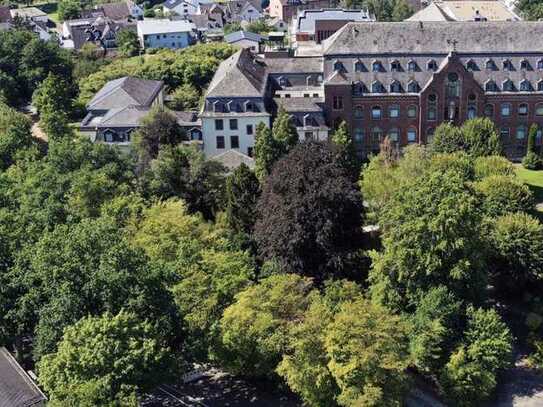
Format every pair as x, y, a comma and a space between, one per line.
531, 161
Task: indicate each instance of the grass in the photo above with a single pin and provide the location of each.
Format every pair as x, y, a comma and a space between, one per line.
534, 179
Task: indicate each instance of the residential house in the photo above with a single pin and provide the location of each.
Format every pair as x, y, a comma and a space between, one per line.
183, 7
234, 11
307, 115
402, 80
190, 124
286, 10
17, 388
101, 31
175, 34
318, 25
119, 107
277, 24
466, 10
122, 10
246, 39
205, 23
31, 14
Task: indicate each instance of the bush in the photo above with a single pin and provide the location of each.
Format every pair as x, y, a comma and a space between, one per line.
492, 165
502, 194
531, 161
533, 321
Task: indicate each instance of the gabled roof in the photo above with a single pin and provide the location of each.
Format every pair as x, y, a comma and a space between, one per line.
124, 92
465, 10
28, 12
16, 387
300, 104
434, 37
130, 116
116, 11
243, 35
146, 27
232, 159
241, 75
305, 22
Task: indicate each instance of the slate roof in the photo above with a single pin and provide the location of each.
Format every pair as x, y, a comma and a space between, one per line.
187, 118
28, 12
128, 91
130, 116
305, 22
206, 21
243, 35
116, 11
432, 37
238, 76
294, 65
5, 14
300, 104
81, 33
170, 4
232, 159
16, 387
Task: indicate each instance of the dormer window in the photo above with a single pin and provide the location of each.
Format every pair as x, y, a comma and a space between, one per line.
507, 65
413, 87
395, 66
540, 85
490, 65
432, 65
508, 86
283, 81
412, 66
471, 65
359, 88
376, 66
338, 66
395, 87
490, 86
525, 86
359, 66
525, 65
377, 87
540, 65
218, 107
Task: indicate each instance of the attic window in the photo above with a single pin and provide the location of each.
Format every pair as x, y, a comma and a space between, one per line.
377, 87
540, 64
338, 66
376, 66
413, 87
507, 65
525, 65
432, 65
395, 87
395, 66
490, 65
490, 86
471, 65
525, 86
540, 85
508, 85
412, 66
358, 89
359, 66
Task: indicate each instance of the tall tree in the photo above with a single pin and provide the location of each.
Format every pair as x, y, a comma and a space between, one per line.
347, 152
128, 43
309, 214
267, 151
242, 192
284, 131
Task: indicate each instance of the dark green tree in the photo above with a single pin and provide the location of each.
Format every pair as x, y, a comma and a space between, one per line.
267, 151
68, 9
242, 192
532, 161
347, 152
128, 43
284, 131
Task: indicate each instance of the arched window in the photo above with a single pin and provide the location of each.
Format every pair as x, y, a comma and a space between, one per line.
110, 136
432, 65
505, 109
394, 111
394, 134
358, 112
539, 109
525, 85
508, 65
490, 86
376, 112
412, 66
359, 88
472, 111
471, 65
411, 135
377, 87
376, 66
376, 135
489, 110
540, 65
525, 65
395, 66
359, 66
453, 85
522, 130
540, 85
413, 87
508, 86
490, 65
523, 109
358, 135
430, 134
395, 87
412, 111
431, 112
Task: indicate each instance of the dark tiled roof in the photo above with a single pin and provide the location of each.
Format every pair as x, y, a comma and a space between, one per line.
294, 65
240, 75
102, 28
5, 14
187, 118
130, 116
299, 104
433, 37
232, 159
243, 35
206, 21
16, 388
124, 92
116, 11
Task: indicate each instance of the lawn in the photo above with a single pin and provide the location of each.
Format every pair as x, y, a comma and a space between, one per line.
534, 179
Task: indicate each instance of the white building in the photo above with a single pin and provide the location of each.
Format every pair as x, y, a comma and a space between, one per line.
165, 33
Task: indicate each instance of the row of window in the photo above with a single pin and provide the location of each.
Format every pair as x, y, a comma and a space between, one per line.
233, 106
506, 109
377, 135
220, 142
431, 65
233, 124
509, 86
394, 112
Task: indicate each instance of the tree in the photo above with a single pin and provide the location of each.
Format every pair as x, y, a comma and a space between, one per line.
447, 139
532, 161
517, 242
255, 328
53, 95
105, 360
401, 10
68, 9
311, 223
128, 43
346, 149
267, 151
470, 375
232, 27
502, 194
481, 137
259, 26
431, 237
284, 131
185, 97
367, 347
492, 165
242, 192
15, 135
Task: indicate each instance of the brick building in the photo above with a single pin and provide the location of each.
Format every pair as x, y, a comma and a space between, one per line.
404, 79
